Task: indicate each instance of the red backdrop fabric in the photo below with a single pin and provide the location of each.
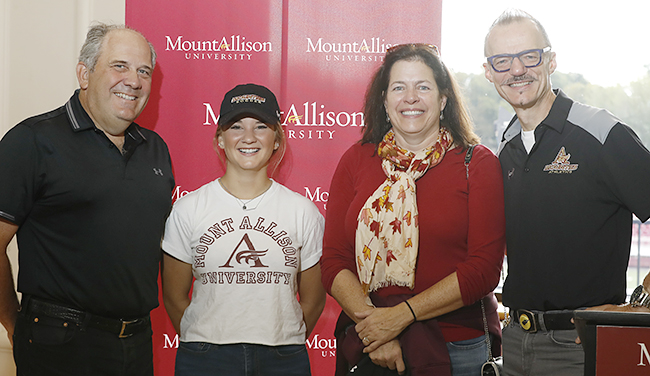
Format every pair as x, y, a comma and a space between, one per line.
317, 56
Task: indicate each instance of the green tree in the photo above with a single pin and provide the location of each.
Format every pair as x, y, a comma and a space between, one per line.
639, 118
483, 104
630, 103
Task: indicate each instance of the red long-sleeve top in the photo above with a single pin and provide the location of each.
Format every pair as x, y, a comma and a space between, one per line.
462, 224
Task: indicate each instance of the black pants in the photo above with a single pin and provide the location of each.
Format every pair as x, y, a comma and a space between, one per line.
45, 346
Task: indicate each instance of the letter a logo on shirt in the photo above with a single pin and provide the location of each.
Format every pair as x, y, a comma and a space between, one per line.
248, 254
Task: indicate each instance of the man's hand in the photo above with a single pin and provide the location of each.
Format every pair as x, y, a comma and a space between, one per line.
618, 308
615, 308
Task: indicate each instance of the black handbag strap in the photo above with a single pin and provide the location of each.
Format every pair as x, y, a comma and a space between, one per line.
468, 158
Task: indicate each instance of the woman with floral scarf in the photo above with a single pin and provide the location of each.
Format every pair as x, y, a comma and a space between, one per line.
415, 234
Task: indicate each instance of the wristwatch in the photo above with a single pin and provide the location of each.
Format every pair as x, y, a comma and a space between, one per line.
640, 297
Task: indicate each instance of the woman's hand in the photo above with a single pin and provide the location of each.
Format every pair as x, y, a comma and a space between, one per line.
389, 355
381, 325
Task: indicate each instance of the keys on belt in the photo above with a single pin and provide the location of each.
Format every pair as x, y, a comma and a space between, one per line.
533, 321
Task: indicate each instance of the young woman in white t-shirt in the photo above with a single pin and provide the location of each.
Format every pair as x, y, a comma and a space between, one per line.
246, 246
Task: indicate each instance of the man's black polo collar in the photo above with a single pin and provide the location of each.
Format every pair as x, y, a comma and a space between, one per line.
555, 119
81, 121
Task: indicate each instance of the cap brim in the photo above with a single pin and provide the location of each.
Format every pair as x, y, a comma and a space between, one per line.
233, 116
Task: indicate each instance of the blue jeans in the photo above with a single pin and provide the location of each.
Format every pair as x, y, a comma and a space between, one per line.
468, 356
241, 359
552, 352
50, 347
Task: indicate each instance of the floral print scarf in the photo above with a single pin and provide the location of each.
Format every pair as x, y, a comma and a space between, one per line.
387, 236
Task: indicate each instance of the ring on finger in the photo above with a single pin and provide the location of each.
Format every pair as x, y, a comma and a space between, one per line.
365, 341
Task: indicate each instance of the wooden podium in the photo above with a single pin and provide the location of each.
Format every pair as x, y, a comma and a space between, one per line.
615, 343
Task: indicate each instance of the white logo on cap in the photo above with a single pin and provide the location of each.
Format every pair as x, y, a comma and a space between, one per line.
248, 98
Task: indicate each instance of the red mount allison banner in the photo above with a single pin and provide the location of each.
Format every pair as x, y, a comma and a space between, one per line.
317, 56
622, 350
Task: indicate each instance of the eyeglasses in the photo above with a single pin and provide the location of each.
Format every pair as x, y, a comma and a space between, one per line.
394, 48
529, 58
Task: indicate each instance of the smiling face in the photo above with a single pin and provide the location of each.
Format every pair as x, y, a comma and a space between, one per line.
524, 88
413, 104
248, 144
117, 90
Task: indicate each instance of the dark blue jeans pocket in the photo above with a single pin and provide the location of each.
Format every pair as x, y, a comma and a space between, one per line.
289, 350
197, 347
50, 331
41, 346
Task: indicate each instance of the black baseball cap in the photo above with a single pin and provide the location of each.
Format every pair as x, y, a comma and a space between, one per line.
251, 99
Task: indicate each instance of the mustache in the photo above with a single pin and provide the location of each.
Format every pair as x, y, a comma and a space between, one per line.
516, 79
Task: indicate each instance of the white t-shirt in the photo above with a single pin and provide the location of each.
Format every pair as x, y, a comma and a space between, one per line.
528, 138
245, 262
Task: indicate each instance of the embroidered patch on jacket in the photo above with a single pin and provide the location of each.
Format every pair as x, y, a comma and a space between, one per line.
561, 164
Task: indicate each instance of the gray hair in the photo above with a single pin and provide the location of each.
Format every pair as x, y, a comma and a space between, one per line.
510, 16
92, 46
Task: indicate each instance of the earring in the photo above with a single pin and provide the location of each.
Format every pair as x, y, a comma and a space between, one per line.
442, 116
277, 145
221, 145
387, 118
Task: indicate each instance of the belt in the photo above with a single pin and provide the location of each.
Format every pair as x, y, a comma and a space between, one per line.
533, 321
119, 327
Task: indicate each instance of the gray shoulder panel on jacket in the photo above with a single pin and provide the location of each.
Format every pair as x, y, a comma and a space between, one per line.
596, 121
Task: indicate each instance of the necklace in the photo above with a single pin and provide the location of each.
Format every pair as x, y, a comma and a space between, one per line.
245, 203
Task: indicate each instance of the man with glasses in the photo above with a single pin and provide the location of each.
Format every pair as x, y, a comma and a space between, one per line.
573, 176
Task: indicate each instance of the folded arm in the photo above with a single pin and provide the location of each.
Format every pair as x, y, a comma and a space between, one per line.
347, 291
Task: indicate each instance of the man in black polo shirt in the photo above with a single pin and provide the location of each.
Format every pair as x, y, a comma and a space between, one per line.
86, 190
573, 176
